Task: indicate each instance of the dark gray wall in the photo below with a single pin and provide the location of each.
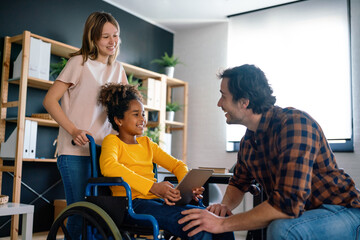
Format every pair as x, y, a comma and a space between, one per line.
63, 20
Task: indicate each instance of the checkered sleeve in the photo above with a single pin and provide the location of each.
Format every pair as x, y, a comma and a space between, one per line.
241, 178
297, 144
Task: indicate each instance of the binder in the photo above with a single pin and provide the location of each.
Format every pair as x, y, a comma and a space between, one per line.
27, 134
32, 139
39, 60
167, 143
45, 53
34, 58
157, 94
17, 66
149, 90
8, 148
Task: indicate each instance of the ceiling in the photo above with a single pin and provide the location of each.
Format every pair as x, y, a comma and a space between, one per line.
174, 15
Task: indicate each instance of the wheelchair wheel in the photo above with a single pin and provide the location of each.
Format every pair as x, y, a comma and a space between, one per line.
96, 223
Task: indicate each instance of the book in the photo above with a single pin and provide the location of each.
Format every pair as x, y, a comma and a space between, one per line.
216, 169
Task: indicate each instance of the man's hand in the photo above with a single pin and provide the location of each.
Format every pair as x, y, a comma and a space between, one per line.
205, 220
197, 193
219, 209
166, 191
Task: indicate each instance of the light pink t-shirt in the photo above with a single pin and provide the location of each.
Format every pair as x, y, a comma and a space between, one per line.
79, 102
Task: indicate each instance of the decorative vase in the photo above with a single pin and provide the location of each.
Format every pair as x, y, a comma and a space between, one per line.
170, 116
169, 71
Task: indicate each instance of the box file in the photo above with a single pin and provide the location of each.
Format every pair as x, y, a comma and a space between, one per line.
8, 148
148, 86
39, 60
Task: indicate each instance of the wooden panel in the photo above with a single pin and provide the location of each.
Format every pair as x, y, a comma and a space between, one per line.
7, 168
34, 82
39, 160
173, 123
57, 48
41, 122
140, 72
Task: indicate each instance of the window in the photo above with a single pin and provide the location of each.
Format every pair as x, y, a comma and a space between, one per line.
304, 50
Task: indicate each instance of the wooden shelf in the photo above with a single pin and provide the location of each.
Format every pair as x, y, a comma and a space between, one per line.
39, 160
173, 82
40, 121
147, 108
34, 82
57, 48
174, 123
140, 72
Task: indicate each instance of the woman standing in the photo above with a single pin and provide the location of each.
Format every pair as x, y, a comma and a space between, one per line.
78, 87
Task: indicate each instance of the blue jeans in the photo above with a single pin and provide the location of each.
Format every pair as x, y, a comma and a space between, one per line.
328, 222
168, 216
75, 172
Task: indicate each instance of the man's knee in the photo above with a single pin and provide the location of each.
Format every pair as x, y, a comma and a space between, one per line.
279, 230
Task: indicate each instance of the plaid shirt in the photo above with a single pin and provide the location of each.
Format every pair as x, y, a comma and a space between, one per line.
291, 159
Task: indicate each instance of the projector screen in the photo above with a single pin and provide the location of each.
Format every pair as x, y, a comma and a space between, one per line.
304, 50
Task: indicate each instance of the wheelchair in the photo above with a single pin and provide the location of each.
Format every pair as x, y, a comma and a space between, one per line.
102, 214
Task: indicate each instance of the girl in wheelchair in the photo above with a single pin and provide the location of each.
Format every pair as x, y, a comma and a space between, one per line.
131, 157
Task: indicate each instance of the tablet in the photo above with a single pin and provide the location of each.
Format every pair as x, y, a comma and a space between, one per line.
195, 178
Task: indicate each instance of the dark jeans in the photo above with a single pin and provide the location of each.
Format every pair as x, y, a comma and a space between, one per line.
168, 216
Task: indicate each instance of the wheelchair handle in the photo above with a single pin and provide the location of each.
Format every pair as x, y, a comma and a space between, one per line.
74, 144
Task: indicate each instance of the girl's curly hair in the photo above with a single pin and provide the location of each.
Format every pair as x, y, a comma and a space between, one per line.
116, 99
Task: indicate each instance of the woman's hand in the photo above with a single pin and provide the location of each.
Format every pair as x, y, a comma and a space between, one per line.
166, 191
197, 193
79, 137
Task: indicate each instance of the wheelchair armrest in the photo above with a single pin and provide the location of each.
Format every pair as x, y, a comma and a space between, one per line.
106, 180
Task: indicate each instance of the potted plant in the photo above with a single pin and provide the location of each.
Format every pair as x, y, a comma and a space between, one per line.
56, 68
171, 108
168, 63
153, 134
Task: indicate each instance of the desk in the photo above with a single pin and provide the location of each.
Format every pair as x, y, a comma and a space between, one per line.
27, 219
220, 178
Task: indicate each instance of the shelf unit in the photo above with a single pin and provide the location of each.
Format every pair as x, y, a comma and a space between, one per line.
64, 50
167, 85
58, 49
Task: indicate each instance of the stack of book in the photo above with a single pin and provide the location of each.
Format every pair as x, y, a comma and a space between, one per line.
216, 169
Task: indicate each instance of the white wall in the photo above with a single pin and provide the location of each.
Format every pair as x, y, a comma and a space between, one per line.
203, 50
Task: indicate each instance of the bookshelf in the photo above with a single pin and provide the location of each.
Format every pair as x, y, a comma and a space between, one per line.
24, 82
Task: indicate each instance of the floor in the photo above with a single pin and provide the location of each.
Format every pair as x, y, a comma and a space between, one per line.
42, 236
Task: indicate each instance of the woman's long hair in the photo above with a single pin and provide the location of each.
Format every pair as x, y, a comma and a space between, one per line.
92, 33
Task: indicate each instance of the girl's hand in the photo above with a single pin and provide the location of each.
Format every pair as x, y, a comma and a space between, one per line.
166, 191
79, 137
197, 193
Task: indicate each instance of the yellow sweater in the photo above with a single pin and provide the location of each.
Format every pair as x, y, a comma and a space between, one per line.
134, 163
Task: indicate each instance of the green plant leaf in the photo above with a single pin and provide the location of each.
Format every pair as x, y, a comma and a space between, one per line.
166, 61
173, 106
56, 68
153, 134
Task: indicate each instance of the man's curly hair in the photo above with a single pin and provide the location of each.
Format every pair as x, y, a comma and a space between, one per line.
116, 99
